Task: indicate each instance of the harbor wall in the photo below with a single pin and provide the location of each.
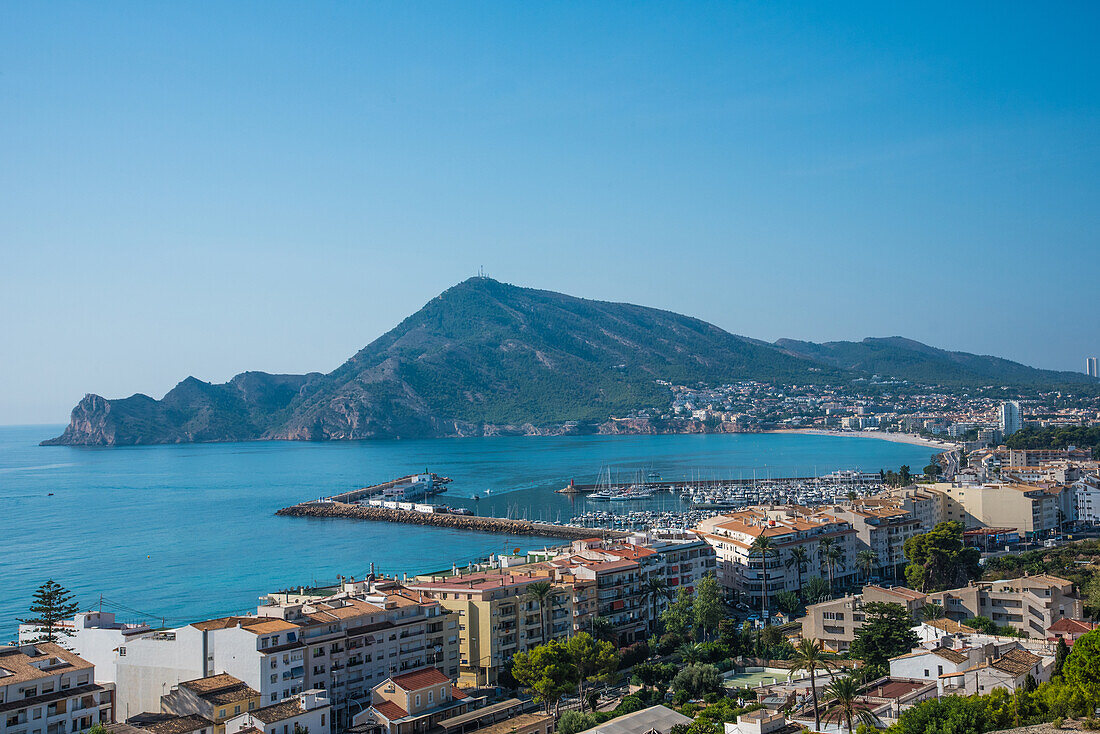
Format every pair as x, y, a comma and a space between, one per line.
442, 520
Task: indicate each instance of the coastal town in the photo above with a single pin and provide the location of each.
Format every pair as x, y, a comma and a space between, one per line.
978, 577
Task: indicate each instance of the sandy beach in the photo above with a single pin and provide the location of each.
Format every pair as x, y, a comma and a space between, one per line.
910, 438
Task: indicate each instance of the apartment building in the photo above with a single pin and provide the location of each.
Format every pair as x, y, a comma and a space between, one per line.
922, 505
1038, 457
1030, 604
618, 588
882, 530
498, 617
1087, 499
1033, 510
46, 689
366, 633
94, 636
740, 570
834, 623
342, 644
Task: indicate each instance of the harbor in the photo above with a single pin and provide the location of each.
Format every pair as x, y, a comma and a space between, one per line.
606, 507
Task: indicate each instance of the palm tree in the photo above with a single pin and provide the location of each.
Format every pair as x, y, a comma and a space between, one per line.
831, 553
800, 559
654, 588
845, 703
866, 560
811, 657
929, 612
690, 652
543, 593
764, 546
602, 628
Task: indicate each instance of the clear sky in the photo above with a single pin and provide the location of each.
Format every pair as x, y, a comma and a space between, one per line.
204, 188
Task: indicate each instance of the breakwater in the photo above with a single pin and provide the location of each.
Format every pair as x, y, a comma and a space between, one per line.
444, 520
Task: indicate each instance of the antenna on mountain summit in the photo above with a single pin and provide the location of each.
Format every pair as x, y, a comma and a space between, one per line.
481, 271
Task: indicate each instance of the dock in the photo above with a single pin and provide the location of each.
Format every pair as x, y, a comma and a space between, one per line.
574, 488
427, 484
330, 509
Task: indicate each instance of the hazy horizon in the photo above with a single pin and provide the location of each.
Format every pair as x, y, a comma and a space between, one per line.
209, 189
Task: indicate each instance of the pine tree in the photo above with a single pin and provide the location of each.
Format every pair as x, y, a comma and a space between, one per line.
52, 604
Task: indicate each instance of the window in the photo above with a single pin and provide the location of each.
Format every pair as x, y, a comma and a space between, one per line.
236, 709
274, 697
418, 699
322, 719
221, 714
430, 694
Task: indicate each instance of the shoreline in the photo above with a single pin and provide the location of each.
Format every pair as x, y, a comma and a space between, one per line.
907, 438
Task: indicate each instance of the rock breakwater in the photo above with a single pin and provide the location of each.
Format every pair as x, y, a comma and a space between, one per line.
443, 520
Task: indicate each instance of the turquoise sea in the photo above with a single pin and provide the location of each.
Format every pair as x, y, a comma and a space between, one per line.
187, 531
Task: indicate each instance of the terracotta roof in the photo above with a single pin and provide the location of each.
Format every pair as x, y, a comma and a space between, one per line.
22, 662
422, 678
948, 654
950, 626
285, 709
390, 710
255, 625
171, 724
1065, 624
1016, 661
220, 689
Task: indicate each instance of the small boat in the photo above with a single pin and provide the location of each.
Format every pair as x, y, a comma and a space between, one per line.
476, 497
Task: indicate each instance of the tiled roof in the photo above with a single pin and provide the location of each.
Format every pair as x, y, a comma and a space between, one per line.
170, 724
220, 689
950, 626
255, 625
1016, 661
422, 678
22, 661
1065, 624
948, 654
285, 709
390, 710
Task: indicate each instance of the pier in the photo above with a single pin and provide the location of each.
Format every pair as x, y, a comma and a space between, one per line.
700, 484
326, 509
427, 484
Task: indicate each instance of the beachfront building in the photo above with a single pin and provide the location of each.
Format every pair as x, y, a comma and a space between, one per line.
46, 689
740, 570
343, 644
251, 649
94, 636
834, 623
369, 631
1030, 604
498, 617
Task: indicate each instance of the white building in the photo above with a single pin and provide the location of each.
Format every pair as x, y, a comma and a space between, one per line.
1087, 498
307, 710
46, 689
94, 636
262, 652
1010, 418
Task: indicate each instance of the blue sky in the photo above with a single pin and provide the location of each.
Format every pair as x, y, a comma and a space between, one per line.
205, 188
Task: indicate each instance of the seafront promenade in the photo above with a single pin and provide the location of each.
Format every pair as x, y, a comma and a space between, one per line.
443, 520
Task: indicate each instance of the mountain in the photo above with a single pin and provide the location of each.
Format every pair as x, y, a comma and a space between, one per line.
486, 357
482, 357
905, 359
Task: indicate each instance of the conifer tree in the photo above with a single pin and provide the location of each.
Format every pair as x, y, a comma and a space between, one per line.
52, 604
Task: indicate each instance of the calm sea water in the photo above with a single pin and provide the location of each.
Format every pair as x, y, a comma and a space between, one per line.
183, 532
